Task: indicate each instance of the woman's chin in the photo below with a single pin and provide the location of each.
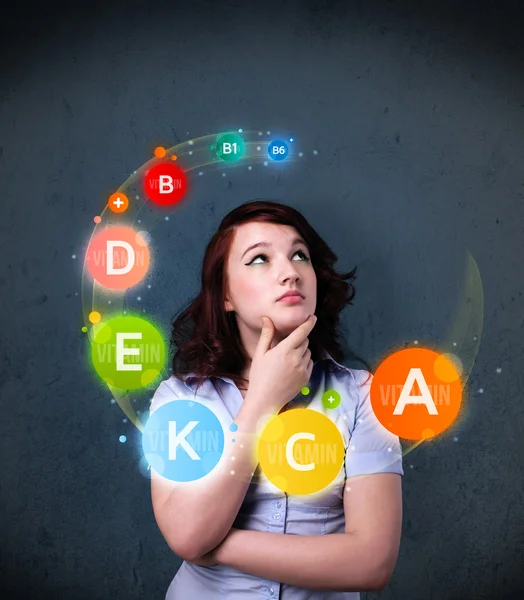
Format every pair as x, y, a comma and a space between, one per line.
284, 326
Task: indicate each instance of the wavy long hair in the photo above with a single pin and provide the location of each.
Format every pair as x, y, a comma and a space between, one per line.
207, 338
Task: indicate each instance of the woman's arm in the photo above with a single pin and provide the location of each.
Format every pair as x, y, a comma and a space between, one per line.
195, 516
337, 561
361, 559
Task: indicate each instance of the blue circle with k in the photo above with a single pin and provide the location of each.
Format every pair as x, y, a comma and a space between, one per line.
183, 440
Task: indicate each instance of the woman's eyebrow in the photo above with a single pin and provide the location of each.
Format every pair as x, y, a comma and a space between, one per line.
295, 242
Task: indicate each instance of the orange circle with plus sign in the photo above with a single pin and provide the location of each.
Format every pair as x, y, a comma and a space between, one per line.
416, 393
118, 202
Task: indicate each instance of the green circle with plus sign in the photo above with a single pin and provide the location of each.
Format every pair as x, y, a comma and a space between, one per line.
330, 399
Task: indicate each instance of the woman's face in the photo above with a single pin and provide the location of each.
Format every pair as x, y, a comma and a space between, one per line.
257, 277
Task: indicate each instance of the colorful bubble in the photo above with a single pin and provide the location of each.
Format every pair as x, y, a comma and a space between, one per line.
95, 317
128, 353
118, 202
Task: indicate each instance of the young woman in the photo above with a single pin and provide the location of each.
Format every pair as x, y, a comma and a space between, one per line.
246, 353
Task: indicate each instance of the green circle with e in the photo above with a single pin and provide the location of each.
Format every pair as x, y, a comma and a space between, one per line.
127, 352
230, 147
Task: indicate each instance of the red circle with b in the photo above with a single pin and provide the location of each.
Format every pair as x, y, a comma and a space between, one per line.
165, 184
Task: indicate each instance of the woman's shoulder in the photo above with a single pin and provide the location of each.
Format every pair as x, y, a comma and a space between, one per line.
185, 387
351, 376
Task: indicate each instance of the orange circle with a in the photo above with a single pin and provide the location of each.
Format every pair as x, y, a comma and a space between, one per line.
118, 202
416, 393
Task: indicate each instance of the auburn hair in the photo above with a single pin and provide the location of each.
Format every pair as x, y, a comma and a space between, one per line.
206, 336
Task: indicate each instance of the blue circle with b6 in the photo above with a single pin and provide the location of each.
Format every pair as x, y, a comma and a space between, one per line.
278, 150
183, 440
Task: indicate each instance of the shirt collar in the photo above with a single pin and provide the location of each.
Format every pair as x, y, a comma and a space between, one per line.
323, 353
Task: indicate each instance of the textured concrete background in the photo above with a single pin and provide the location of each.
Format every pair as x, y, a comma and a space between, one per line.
417, 112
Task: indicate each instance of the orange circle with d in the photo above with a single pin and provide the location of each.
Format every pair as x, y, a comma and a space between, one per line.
118, 257
416, 393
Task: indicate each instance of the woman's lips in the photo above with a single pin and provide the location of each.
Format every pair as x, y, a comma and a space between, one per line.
292, 299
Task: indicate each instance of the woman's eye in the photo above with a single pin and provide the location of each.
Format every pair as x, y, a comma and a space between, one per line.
305, 258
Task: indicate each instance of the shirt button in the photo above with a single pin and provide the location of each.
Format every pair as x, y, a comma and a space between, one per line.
277, 516
271, 591
279, 504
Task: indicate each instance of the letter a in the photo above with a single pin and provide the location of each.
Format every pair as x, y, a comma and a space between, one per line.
415, 374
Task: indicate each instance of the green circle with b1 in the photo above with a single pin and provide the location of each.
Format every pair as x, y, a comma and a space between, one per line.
230, 147
127, 352
183, 440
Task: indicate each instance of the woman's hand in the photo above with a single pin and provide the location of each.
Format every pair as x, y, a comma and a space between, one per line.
277, 374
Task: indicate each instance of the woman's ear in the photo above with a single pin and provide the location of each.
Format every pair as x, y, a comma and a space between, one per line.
228, 306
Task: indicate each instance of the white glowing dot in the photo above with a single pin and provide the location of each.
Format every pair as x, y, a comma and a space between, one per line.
190, 152
455, 439
124, 312
259, 148
109, 301
139, 220
291, 140
190, 142
149, 285
139, 298
250, 167
113, 400
301, 154
73, 256
415, 342
200, 173
166, 218
259, 133
76, 293
315, 151
223, 174
481, 390
389, 449
265, 163
475, 337
499, 369
410, 466
268, 132
352, 447
240, 131
137, 197
348, 488
232, 472
143, 310
232, 458
454, 343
